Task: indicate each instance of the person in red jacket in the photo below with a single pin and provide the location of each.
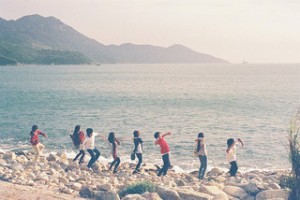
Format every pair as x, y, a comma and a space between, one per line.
78, 139
164, 150
34, 140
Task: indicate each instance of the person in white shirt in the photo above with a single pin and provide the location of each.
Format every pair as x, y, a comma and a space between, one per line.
89, 144
231, 155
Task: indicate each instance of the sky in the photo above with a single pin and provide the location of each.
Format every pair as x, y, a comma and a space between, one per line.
258, 31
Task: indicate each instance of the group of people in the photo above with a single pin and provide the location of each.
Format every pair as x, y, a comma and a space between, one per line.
83, 143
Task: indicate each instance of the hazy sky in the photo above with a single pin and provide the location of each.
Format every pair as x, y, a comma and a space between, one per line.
254, 30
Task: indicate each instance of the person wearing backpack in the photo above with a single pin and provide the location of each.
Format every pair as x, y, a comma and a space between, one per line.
78, 139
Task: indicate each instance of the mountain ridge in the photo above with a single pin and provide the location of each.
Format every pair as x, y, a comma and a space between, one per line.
36, 33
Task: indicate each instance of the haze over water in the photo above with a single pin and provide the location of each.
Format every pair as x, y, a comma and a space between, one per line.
254, 102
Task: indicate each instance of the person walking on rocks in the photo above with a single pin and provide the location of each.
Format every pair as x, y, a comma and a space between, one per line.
231, 155
34, 140
89, 144
78, 140
164, 150
114, 150
138, 149
201, 152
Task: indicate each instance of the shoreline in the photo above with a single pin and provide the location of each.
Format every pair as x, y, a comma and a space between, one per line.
60, 175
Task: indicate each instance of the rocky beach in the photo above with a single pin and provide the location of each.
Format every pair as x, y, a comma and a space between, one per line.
57, 177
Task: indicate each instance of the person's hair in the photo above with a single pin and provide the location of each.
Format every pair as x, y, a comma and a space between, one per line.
200, 135
76, 129
89, 132
33, 128
111, 137
136, 133
230, 141
156, 135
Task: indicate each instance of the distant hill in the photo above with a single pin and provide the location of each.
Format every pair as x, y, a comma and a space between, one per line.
46, 40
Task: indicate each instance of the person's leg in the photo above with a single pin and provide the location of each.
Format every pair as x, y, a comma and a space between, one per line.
118, 161
203, 160
97, 152
77, 156
140, 158
200, 168
41, 148
81, 160
112, 164
36, 152
167, 165
233, 168
92, 158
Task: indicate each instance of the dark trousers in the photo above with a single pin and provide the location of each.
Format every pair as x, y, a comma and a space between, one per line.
82, 154
115, 163
140, 158
233, 168
166, 166
95, 154
203, 166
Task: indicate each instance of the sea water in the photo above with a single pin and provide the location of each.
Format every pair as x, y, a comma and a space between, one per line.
254, 102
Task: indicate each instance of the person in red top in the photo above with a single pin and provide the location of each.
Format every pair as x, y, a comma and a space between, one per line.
78, 139
34, 140
164, 150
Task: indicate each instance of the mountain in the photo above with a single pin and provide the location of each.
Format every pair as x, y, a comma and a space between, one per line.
46, 40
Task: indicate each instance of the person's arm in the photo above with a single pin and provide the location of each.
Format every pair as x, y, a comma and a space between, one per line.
43, 134
241, 141
118, 141
164, 135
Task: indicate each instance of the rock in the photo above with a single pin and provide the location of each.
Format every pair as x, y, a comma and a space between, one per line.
76, 186
249, 197
167, 194
192, 195
106, 195
85, 192
251, 188
151, 196
105, 187
17, 166
211, 190
53, 157
221, 196
273, 194
215, 171
9, 155
63, 180
235, 191
133, 197
274, 186
180, 182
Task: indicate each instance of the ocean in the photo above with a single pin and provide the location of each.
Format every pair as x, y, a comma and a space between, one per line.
254, 102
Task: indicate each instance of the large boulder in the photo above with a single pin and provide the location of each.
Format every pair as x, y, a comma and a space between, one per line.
106, 195
252, 189
212, 190
192, 195
235, 191
133, 197
167, 194
273, 194
151, 196
85, 192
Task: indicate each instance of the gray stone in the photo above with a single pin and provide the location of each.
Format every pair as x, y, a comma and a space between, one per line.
85, 192
180, 182
273, 194
105, 187
106, 195
251, 188
9, 155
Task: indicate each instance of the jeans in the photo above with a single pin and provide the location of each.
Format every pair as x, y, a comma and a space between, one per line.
116, 162
203, 165
166, 166
140, 158
81, 154
233, 168
95, 154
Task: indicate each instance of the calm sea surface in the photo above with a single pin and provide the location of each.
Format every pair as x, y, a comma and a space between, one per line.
254, 102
